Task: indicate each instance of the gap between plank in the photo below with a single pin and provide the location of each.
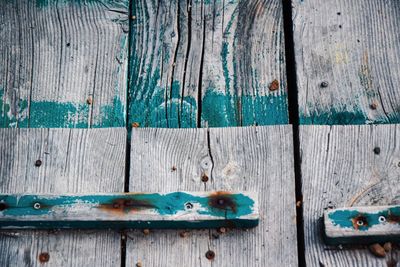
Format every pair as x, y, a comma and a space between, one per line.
293, 106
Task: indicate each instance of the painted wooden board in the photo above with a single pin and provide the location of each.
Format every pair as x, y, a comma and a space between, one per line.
257, 159
71, 161
216, 63
129, 210
368, 225
63, 63
342, 167
347, 57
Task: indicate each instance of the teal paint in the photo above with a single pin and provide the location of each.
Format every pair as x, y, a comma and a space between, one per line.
48, 114
219, 110
337, 116
373, 230
344, 218
15, 208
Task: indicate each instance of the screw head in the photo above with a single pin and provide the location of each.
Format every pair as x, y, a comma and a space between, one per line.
44, 257
38, 163
189, 206
324, 84
210, 255
37, 206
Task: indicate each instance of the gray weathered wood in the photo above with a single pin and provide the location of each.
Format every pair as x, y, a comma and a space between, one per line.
217, 58
250, 158
354, 46
72, 161
54, 55
340, 169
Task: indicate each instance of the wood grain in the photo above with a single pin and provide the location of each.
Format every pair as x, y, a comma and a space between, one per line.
354, 47
72, 161
341, 169
63, 63
250, 158
197, 63
129, 210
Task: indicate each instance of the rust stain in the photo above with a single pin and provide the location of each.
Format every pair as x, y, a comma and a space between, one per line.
222, 201
393, 218
125, 205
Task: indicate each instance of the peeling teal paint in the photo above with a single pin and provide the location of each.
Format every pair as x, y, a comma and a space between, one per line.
14, 208
333, 116
220, 110
50, 114
344, 218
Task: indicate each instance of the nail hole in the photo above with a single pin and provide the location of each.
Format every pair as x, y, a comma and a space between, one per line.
377, 150
3, 206
360, 223
210, 255
324, 84
382, 219
189, 206
68, 44
37, 206
38, 163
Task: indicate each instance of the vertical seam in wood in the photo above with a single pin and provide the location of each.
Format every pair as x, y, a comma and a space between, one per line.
293, 107
199, 86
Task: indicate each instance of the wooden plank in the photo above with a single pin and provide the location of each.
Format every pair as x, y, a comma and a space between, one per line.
258, 159
347, 54
343, 167
63, 63
207, 63
368, 225
71, 161
129, 210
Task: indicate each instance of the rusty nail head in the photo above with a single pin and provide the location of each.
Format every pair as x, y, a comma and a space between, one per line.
274, 85
146, 231
222, 230
38, 163
89, 100
173, 168
139, 264
204, 178
377, 150
324, 84
135, 125
210, 255
44, 257
373, 106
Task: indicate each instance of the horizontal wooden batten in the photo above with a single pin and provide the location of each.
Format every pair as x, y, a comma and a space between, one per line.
365, 225
129, 210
